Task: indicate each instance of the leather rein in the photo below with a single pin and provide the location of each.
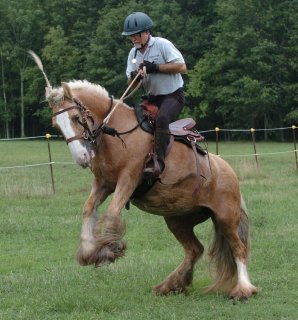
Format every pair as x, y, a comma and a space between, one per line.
88, 133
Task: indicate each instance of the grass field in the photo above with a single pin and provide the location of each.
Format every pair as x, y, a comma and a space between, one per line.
39, 235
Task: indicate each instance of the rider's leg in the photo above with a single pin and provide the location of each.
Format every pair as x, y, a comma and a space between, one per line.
169, 111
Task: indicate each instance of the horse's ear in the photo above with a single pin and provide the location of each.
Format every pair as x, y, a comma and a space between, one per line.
67, 91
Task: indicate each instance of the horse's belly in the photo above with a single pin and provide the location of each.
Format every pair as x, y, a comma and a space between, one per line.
167, 205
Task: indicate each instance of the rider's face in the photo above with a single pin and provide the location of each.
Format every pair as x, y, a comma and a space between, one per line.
139, 39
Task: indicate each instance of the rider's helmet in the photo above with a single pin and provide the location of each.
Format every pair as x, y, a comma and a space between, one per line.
136, 22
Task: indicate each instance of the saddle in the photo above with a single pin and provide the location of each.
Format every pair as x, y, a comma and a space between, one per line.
182, 130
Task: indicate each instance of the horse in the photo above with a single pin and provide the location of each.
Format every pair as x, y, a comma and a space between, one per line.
116, 153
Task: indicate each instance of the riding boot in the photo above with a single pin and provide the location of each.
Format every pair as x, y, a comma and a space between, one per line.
156, 164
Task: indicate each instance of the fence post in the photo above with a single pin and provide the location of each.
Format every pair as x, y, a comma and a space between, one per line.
252, 130
48, 137
295, 148
216, 135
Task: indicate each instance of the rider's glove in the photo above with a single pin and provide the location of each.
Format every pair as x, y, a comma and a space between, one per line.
133, 74
151, 67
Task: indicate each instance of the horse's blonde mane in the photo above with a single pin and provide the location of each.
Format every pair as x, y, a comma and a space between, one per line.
56, 96
86, 85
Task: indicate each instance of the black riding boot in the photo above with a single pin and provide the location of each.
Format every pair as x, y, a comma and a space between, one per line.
156, 165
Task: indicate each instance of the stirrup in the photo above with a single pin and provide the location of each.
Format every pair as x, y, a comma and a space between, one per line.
153, 168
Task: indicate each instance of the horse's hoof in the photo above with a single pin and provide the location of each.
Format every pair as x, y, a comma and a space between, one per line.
104, 256
99, 264
243, 293
163, 290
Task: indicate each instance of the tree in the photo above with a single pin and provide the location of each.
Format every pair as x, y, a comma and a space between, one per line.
20, 22
241, 77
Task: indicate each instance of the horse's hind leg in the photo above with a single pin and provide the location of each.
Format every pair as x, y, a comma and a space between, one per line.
179, 279
230, 252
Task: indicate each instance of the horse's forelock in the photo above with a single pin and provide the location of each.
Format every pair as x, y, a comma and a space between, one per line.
55, 97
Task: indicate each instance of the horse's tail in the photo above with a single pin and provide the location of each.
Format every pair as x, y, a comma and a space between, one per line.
221, 254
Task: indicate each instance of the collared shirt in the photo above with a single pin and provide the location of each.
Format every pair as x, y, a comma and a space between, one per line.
160, 51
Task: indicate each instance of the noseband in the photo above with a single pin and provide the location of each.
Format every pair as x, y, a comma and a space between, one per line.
88, 133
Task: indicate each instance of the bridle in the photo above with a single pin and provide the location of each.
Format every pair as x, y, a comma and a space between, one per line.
88, 133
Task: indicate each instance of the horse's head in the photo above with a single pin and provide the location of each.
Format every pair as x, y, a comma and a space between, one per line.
73, 120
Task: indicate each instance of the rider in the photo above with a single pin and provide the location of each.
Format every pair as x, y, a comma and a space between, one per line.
161, 65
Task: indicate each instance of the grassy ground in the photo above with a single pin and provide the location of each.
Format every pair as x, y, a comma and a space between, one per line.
39, 234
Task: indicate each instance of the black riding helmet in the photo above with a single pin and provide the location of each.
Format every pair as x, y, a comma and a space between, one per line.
136, 22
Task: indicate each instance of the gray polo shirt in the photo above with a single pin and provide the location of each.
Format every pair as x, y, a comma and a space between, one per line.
160, 51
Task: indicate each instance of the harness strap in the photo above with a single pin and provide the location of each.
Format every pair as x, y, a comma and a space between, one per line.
66, 109
77, 137
197, 183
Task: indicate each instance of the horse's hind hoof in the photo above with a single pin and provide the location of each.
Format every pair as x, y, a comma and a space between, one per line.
242, 293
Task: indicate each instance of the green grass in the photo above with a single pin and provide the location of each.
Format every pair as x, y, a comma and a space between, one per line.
39, 235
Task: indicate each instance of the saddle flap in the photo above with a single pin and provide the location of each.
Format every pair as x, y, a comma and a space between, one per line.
182, 127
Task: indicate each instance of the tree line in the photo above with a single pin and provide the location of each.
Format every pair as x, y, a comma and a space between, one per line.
241, 57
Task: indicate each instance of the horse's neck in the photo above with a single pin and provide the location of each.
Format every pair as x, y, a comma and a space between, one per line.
99, 106
122, 117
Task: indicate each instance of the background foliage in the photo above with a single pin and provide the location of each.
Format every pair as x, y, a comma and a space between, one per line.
241, 56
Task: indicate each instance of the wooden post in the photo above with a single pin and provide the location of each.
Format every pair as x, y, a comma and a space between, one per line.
252, 130
216, 135
48, 137
295, 147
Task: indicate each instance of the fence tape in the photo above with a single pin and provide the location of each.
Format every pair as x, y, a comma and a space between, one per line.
37, 165
214, 130
204, 131
29, 138
222, 156
257, 154
246, 130
28, 165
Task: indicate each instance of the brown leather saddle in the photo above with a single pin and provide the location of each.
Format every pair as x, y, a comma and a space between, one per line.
183, 130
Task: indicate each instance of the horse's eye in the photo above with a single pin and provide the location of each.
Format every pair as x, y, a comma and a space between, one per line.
75, 118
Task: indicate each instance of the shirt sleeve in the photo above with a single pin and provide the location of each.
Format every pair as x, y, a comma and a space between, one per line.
170, 52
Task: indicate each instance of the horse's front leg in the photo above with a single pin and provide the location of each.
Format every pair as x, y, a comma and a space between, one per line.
110, 228
86, 253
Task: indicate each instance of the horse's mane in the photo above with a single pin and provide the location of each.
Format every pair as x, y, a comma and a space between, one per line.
86, 85
56, 97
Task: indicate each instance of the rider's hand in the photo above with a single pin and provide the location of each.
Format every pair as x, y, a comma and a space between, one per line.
151, 67
133, 74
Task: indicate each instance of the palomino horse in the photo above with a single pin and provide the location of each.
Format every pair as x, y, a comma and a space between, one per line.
79, 109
